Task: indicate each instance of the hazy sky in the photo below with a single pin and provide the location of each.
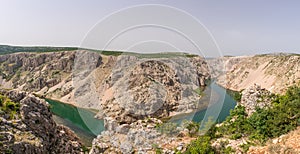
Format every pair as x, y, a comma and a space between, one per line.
239, 27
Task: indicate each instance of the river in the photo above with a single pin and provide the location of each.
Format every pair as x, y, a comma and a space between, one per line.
83, 123
80, 120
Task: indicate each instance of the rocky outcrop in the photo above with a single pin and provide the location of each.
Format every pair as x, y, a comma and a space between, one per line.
256, 97
142, 136
139, 88
32, 130
236, 144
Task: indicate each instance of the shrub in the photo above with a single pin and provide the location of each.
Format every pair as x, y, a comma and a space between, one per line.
245, 147
236, 136
200, 146
193, 127
8, 107
1, 100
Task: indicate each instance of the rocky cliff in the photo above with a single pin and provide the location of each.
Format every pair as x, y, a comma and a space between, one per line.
37, 72
275, 72
126, 87
27, 127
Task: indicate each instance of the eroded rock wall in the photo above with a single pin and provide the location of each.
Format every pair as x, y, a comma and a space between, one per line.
32, 130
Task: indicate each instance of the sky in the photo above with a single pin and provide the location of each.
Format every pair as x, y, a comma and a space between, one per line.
237, 27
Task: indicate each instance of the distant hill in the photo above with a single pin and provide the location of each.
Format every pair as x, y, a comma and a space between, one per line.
7, 49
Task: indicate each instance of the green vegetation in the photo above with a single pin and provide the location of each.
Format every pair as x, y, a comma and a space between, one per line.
199, 91
268, 123
246, 147
6, 49
201, 146
158, 150
55, 72
163, 55
236, 95
264, 124
193, 127
8, 151
146, 55
111, 53
9, 108
85, 149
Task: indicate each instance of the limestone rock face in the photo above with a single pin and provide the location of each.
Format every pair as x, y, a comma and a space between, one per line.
52, 74
32, 72
255, 97
122, 86
153, 87
33, 129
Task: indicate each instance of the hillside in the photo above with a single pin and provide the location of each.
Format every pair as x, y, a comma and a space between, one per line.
275, 72
274, 116
288, 143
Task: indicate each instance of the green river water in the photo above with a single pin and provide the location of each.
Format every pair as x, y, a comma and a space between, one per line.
83, 123
80, 120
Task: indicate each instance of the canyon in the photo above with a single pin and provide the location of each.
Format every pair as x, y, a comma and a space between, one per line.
134, 93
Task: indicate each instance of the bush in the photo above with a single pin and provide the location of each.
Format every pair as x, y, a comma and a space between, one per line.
1, 100
245, 147
279, 119
236, 136
193, 127
12, 106
200, 146
8, 107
